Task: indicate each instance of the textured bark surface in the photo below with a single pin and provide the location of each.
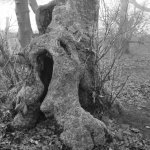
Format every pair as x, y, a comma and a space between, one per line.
79, 16
60, 85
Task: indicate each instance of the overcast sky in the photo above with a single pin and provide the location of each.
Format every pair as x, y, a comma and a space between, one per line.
7, 9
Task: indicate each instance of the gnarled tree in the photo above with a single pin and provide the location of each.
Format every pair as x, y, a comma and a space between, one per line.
61, 75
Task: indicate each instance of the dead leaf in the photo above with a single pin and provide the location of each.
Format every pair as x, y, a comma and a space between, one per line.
147, 127
135, 130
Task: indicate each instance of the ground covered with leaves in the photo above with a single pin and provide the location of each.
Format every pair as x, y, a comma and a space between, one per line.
130, 132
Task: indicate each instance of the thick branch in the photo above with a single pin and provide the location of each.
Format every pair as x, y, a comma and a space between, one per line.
33, 5
143, 8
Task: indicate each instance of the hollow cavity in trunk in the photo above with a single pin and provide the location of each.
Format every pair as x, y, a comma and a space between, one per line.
45, 69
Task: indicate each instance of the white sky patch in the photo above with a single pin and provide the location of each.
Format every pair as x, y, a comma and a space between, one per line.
7, 9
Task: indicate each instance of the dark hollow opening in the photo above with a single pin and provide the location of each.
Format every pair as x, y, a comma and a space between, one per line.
85, 98
87, 102
45, 69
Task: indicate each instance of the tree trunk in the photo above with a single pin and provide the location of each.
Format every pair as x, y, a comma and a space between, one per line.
125, 30
123, 27
22, 13
62, 74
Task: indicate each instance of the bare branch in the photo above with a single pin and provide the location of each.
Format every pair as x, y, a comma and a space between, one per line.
137, 5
